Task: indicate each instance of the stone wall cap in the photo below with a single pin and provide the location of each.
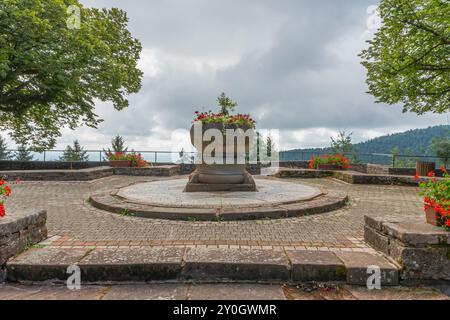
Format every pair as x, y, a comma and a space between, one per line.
15, 222
412, 231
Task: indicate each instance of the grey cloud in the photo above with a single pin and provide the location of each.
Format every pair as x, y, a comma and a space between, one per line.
292, 64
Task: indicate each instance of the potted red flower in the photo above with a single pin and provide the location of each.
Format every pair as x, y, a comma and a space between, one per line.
329, 162
436, 198
117, 160
126, 160
5, 192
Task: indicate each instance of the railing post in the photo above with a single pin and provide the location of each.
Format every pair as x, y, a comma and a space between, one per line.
156, 157
44, 156
100, 156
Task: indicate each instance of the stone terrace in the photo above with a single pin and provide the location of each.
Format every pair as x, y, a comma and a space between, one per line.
73, 222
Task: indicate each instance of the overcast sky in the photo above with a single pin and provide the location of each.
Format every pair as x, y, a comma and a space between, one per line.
292, 64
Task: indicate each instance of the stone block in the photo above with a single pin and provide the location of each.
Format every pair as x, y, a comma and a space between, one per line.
357, 264
316, 266
132, 264
376, 239
40, 264
432, 263
416, 232
396, 249
18, 231
209, 264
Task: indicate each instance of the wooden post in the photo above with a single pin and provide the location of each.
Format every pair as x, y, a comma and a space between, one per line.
423, 168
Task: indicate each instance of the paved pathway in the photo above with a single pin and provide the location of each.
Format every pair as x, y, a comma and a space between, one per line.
218, 292
74, 222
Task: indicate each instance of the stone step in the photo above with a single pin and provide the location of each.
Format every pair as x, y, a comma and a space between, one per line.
199, 264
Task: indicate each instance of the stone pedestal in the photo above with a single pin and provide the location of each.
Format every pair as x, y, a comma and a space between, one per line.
220, 178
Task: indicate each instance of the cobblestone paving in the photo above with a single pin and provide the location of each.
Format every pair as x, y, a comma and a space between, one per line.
72, 221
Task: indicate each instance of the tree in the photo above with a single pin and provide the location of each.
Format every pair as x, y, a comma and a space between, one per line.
226, 104
75, 153
4, 154
118, 144
407, 61
395, 153
50, 74
23, 154
270, 146
343, 143
441, 148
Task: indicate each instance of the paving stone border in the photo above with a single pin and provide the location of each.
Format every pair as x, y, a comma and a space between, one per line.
421, 249
328, 201
198, 265
18, 232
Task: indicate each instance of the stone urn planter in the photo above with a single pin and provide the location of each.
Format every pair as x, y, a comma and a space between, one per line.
431, 216
423, 168
119, 163
329, 167
225, 176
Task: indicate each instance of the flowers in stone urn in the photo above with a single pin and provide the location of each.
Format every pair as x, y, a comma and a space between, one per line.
5, 192
222, 141
436, 198
239, 119
223, 116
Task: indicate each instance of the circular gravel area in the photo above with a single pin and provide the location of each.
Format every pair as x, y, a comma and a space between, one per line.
165, 199
169, 193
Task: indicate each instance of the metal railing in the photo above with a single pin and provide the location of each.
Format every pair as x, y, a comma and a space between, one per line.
100, 156
394, 160
154, 156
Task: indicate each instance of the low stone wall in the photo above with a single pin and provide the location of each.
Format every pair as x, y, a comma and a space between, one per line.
410, 171
359, 167
158, 171
294, 164
58, 175
48, 165
370, 168
303, 173
422, 250
18, 232
377, 169
381, 179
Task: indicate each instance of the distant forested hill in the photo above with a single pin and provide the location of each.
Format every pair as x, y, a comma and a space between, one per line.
415, 142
